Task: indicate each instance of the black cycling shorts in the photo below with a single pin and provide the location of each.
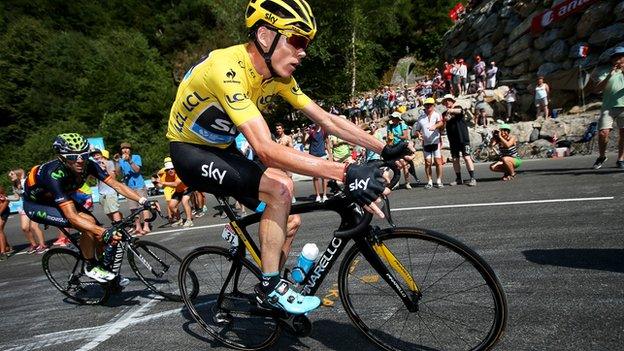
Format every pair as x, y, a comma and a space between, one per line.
456, 149
178, 195
222, 172
51, 215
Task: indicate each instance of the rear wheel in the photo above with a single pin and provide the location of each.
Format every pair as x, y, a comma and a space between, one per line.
157, 267
64, 268
226, 304
461, 304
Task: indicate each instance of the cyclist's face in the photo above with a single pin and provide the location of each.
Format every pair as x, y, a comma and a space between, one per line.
76, 166
286, 57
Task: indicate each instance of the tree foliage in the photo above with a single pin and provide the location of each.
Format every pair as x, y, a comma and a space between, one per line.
110, 68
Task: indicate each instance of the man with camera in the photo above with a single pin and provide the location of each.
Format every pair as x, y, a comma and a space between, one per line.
509, 159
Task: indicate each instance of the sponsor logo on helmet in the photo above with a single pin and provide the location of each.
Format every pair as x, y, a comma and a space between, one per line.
269, 17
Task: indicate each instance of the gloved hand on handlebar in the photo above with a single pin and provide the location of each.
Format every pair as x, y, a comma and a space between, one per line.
149, 205
365, 183
111, 235
395, 152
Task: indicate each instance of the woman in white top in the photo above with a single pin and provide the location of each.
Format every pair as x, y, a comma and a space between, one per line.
542, 92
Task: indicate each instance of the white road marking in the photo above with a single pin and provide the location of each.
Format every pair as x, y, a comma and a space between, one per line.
113, 328
507, 203
123, 320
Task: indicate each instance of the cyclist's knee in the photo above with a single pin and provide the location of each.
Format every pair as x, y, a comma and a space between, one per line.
279, 187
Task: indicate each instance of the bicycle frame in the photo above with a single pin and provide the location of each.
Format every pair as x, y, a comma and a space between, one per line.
122, 245
351, 216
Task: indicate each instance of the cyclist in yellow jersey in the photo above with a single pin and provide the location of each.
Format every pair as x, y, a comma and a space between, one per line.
223, 95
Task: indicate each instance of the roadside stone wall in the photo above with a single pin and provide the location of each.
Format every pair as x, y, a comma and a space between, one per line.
499, 30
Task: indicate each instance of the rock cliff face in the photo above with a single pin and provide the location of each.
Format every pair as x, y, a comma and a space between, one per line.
500, 31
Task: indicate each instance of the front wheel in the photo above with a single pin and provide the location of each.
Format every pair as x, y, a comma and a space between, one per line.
157, 267
461, 304
65, 270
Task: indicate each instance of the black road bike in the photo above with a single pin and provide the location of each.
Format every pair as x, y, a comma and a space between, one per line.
155, 265
403, 288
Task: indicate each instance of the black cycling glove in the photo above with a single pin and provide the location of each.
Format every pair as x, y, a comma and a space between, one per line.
365, 183
395, 152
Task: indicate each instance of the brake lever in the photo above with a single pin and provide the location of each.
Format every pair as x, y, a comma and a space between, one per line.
386, 211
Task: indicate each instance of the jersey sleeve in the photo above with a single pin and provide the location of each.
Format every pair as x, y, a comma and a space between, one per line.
93, 169
226, 80
291, 92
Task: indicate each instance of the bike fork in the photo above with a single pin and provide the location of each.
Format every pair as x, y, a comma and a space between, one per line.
371, 255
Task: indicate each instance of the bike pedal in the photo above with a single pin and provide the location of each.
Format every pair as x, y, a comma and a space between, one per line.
299, 325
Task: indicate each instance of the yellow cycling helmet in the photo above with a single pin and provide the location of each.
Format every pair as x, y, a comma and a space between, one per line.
285, 15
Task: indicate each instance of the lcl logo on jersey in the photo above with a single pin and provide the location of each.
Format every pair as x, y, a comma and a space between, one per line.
296, 90
237, 101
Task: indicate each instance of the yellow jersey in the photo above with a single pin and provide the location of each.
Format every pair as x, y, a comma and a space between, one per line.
222, 92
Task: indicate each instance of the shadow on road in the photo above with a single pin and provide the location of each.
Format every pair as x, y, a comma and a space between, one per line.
599, 259
572, 171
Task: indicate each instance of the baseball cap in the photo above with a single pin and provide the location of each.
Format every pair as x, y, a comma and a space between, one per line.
105, 153
168, 165
617, 51
448, 97
429, 101
125, 145
395, 115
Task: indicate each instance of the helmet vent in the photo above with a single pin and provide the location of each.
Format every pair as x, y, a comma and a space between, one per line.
276, 9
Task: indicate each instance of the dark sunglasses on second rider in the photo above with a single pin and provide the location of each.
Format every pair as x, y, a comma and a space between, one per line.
74, 157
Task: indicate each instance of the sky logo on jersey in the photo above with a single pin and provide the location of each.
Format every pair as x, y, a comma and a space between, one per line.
214, 126
237, 101
58, 174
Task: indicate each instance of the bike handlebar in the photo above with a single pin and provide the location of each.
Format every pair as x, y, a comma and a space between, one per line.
367, 217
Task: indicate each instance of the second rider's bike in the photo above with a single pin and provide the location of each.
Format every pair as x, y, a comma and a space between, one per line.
155, 265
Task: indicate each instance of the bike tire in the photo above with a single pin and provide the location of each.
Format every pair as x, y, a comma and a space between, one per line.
161, 276
64, 269
245, 330
462, 306
481, 154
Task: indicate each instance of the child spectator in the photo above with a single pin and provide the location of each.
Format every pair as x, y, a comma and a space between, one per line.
181, 193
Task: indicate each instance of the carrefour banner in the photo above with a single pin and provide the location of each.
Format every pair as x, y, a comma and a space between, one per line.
557, 13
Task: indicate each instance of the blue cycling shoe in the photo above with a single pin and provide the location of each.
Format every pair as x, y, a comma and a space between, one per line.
285, 298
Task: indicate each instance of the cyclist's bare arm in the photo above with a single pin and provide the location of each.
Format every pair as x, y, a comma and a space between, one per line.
122, 189
79, 222
279, 156
342, 128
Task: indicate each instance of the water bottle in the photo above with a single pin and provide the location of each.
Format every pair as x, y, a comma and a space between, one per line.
305, 261
108, 255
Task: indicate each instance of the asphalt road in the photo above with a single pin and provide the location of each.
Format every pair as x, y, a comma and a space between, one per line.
553, 235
